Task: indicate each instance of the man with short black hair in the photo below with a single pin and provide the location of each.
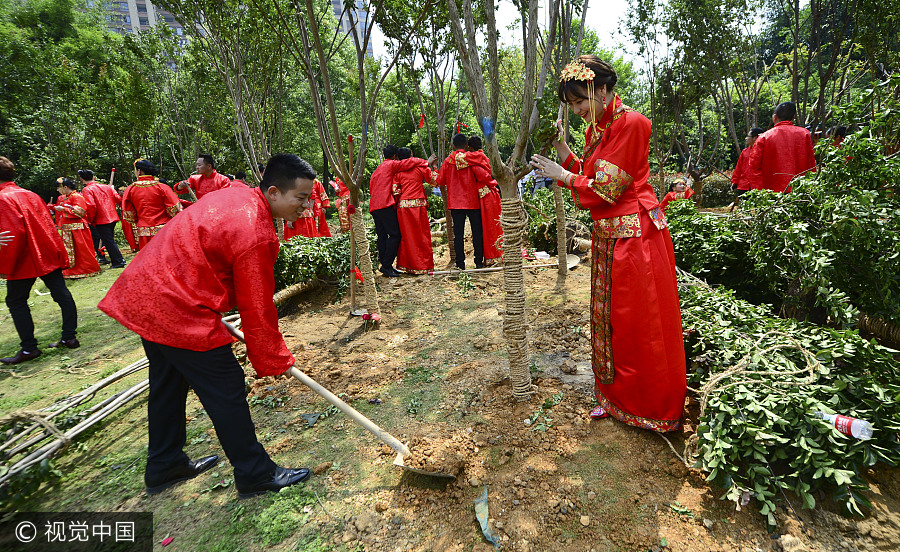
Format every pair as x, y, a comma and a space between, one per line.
383, 208
102, 216
205, 180
35, 251
214, 257
462, 200
781, 153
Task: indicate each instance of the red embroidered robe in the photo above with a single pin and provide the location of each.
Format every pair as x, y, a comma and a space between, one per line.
636, 333
149, 204
489, 198
76, 235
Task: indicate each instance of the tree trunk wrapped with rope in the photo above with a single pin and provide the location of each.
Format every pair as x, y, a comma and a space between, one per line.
365, 261
513, 220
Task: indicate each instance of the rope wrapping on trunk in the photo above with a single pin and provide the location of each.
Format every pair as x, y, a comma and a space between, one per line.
514, 221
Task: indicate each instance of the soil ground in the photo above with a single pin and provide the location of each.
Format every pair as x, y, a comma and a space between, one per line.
434, 374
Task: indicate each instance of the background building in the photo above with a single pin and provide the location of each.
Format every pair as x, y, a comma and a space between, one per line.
360, 15
133, 16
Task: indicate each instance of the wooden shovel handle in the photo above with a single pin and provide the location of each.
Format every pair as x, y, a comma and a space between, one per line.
366, 423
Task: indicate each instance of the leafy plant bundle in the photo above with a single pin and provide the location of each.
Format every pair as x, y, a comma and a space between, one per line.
762, 378
304, 259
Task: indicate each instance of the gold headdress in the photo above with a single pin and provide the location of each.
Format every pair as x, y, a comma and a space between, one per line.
138, 160
577, 70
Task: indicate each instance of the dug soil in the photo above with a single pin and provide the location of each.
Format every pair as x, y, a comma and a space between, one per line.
555, 480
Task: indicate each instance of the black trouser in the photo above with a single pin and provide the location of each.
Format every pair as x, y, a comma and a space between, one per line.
218, 381
17, 293
387, 227
459, 230
106, 233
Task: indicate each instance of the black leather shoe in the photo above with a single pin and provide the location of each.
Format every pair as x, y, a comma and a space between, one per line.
179, 474
21, 356
117, 265
104, 260
70, 343
283, 477
395, 272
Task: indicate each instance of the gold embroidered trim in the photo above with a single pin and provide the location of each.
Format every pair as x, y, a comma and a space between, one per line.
461, 161
173, 210
626, 226
69, 241
410, 203
631, 419
78, 211
129, 216
483, 192
601, 308
147, 231
610, 181
145, 183
307, 213
74, 226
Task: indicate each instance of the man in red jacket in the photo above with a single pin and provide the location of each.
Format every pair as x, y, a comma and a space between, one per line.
205, 179
36, 251
462, 200
102, 216
213, 257
781, 153
383, 208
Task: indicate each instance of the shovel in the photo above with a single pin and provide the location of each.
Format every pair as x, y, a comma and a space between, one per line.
385, 437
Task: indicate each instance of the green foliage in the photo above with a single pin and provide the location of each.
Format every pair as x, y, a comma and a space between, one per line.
758, 434
19, 488
304, 259
828, 249
541, 210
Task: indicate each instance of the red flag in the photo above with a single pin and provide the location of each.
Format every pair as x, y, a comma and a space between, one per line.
357, 273
421, 120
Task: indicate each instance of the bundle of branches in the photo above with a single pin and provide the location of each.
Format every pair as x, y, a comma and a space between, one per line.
29, 439
761, 379
302, 260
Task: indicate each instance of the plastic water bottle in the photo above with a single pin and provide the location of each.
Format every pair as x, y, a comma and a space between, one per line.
853, 427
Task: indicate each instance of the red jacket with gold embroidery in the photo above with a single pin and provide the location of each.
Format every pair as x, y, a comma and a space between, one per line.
480, 165
203, 185
408, 178
75, 209
612, 176
779, 154
462, 190
213, 257
149, 202
101, 203
36, 248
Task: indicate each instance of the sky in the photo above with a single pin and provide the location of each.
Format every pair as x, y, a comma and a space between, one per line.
603, 17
